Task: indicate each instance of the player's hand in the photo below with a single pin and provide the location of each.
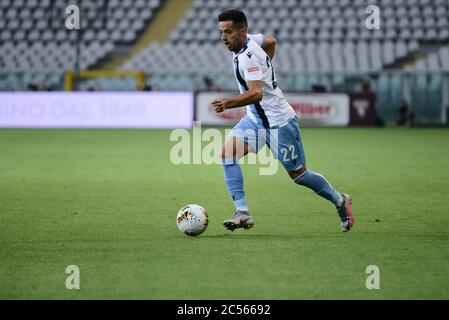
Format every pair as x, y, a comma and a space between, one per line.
220, 105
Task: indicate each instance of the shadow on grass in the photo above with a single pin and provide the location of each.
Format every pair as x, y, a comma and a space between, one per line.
231, 236
287, 237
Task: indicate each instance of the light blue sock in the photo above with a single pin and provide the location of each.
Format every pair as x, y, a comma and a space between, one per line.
319, 184
234, 182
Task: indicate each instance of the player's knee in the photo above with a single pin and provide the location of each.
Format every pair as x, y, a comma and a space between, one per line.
234, 150
228, 153
296, 173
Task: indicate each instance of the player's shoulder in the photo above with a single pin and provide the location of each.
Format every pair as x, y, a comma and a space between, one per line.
253, 52
254, 47
257, 38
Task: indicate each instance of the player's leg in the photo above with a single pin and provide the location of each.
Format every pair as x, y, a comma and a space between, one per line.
241, 140
291, 154
323, 188
233, 150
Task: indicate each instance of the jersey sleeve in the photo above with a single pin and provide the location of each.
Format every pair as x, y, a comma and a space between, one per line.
251, 67
257, 38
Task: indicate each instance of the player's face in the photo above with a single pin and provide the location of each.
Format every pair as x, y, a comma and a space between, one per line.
232, 36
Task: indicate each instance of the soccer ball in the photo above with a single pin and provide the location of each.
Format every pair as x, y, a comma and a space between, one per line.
192, 220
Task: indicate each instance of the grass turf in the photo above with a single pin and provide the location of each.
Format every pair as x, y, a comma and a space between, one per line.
106, 201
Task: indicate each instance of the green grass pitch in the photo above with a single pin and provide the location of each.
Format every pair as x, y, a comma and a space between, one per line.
106, 201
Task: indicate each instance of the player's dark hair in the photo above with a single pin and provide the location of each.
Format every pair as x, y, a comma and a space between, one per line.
237, 16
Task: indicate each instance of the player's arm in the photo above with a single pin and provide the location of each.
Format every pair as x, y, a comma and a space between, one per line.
253, 95
269, 45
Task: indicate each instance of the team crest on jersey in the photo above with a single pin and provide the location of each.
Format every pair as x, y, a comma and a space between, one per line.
249, 54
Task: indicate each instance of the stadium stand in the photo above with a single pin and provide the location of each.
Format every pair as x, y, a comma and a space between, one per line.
325, 36
320, 42
33, 36
314, 36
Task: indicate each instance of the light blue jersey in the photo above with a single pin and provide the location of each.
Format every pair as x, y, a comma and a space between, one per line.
272, 121
252, 63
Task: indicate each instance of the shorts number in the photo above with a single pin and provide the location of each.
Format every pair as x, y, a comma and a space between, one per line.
285, 152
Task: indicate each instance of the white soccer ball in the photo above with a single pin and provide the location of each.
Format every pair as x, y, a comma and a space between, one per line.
192, 220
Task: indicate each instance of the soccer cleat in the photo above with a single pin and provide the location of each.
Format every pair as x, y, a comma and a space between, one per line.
240, 219
345, 213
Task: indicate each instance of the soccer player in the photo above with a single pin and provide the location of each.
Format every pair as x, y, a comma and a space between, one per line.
267, 111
